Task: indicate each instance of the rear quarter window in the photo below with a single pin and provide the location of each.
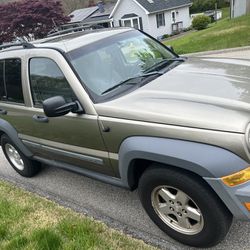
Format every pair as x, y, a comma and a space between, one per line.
2, 91
11, 81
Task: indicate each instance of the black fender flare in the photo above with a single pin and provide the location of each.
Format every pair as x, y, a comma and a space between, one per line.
202, 159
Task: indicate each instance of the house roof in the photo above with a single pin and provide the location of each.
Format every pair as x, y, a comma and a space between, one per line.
98, 16
92, 14
96, 19
151, 6
82, 14
129, 16
158, 5
108, 7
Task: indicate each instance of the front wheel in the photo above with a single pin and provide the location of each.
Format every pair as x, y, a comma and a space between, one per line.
184, 207
23, 165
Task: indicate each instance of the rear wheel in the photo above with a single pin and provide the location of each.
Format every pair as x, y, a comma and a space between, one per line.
23, 165
184, 207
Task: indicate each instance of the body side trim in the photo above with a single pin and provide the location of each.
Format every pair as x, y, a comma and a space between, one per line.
100, 177
67, 147
66, 153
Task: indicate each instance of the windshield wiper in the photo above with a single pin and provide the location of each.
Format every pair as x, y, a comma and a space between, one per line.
132, 80
164, 62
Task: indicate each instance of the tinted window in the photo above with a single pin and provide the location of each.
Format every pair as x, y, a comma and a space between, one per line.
13, 80
2, 91
47, 80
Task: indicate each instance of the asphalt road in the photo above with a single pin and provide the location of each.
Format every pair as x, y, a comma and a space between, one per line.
118, 208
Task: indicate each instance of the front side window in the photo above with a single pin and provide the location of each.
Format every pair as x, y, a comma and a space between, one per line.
160, 19
109, 62
47, 80
11, 81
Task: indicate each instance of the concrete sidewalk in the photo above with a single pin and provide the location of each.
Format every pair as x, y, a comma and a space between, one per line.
238, 53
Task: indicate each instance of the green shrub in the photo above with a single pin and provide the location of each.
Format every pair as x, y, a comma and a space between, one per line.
201, 22
165, 36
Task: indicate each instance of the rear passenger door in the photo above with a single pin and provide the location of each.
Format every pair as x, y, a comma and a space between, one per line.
11, 93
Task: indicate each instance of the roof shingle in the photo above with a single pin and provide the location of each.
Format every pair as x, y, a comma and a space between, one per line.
159, 5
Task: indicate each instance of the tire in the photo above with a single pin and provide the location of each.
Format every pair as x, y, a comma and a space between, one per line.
184, 207
23, 165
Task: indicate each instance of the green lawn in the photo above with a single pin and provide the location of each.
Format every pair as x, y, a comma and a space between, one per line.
32, 223
226, 33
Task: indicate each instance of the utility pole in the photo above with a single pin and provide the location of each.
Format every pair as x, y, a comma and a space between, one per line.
216, 10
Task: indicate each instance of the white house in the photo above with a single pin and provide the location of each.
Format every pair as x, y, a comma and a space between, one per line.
239, 7
156, 17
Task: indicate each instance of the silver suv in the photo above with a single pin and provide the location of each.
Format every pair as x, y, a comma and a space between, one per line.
118, 106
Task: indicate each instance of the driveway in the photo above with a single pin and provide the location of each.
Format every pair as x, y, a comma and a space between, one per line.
118, 208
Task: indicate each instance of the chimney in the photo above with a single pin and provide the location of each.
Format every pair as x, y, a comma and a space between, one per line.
100, 6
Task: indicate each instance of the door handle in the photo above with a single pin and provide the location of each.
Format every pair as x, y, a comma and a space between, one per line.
3, 112
40, 118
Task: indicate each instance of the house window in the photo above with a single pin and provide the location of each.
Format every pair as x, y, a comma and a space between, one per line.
131, 22
173, 16
160, 19
136, 23
127, 23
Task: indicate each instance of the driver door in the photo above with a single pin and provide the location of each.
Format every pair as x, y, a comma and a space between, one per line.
72, 139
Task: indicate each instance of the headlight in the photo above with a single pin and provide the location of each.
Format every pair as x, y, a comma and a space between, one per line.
237, 178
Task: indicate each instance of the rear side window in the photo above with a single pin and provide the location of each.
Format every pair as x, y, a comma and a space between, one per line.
2, 88
11, 81
47, 80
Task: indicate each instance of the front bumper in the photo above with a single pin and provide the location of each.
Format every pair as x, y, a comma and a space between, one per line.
233, 197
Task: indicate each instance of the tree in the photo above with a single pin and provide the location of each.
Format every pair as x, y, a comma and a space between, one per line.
203, 5
30, 17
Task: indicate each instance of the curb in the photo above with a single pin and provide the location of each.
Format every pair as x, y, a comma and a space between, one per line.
211, 52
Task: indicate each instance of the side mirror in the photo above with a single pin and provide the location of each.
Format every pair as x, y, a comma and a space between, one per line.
57, 106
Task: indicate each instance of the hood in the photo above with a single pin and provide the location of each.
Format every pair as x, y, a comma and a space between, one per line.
203, 93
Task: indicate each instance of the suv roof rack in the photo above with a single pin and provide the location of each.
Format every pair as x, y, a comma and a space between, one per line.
75, 29
25, 45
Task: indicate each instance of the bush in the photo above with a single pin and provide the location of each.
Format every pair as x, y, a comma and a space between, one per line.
165, 36
187, 29
201, 22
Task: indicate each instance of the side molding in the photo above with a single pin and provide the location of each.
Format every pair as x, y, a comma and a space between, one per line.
12, 133
202, 159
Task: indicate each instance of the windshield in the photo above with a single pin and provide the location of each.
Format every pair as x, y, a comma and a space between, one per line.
110, 62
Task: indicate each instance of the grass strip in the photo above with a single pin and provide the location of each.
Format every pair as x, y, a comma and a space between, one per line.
226, 33
30, 222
